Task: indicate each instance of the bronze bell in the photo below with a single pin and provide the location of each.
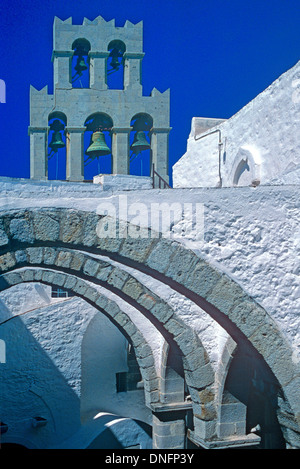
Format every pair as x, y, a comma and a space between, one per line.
98, 146
140, 143
115, 64
80, 65
56, 141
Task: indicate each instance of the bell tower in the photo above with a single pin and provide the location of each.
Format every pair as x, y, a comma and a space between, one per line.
92, 119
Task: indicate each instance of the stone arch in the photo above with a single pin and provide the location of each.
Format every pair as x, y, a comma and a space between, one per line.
83, 269
169, 261
106, 306
221, 375
198, 371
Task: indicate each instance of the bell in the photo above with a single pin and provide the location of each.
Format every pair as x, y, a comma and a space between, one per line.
56, 141
80, 65
140, 142
115, 64
98, 146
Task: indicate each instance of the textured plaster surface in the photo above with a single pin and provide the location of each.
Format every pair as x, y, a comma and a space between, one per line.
265, 130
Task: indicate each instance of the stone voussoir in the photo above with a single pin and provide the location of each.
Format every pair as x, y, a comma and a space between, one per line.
133, 288
71, 227
46, 225
161, 255
90, 267
35, 255
7, 261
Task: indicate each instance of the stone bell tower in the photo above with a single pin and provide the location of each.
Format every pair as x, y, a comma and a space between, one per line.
83, 58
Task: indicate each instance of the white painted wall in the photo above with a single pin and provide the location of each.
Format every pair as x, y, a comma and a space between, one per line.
62, 357
264, 133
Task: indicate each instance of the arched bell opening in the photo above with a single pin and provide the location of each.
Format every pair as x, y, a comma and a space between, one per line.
251, 401
80, 73
140, 145
97, 145
115, 65
57, 122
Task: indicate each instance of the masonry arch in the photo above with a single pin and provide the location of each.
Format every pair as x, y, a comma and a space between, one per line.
197, 371
89, 294
218, 295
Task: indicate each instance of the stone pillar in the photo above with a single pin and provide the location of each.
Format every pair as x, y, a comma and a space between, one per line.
75, 143
120, 149
98, 70
168, 430
160, 150
38, 152
62, 63
133, 71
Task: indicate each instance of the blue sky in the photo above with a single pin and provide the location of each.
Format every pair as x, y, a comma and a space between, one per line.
214, 55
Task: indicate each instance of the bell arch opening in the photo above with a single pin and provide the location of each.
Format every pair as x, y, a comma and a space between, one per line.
115, 65
97, 145
57, 122
80, 64
140, 145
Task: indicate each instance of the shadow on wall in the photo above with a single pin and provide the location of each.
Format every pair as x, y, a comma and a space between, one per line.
32, 385
131, 433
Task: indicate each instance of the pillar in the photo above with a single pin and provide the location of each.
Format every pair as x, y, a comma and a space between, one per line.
133, 71
120, 149
38, 152
98, 67
160, 150
62, 63
75, 148
168, 430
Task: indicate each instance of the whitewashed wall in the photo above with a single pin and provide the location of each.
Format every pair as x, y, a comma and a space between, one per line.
62, 357
264, 134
